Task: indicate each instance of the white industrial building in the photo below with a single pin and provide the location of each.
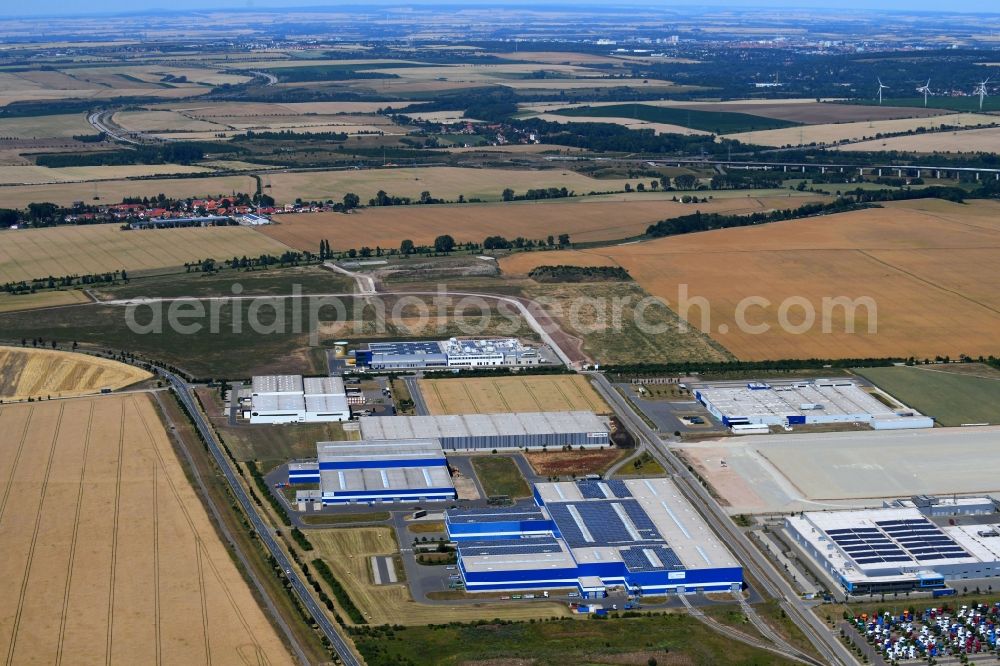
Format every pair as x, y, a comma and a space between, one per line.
457, 432
451, 353
896, 549
803, 402
292, 399
370, 471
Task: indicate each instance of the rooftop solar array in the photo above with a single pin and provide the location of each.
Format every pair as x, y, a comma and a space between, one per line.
603, 489
650, 558
608, 523
867, 545
504, 547
923, 540
405, 348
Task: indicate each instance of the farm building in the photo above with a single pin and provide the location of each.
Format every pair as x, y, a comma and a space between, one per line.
400, 471
895, 548
495, 431
452, 353
592, 535
803, 402
292, 399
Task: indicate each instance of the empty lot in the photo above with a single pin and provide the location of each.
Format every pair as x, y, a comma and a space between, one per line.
109, 556
925, 264
494, 395
765, 473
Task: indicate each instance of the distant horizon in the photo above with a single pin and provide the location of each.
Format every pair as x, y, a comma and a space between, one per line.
71, 9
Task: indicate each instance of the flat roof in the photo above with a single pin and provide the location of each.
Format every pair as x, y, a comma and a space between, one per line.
468, 425
405, 348
323, 386
638, 521
378, 479
373, 451
327, 404
263, 384
495, 515
537, 553
801, 398
880, 541
278, 402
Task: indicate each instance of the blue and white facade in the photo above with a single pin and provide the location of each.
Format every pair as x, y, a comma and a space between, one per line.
821, 401
451, 353
593, 535
895, 549
370, 472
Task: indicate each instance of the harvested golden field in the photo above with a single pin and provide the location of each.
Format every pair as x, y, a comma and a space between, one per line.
41, 299
986, 140
41, 127
585, 219
926, 265
34, 175
348, 552
210, 121
839, 132
441, 182
109, 555
503, 395
42, 373
113, 191
81, 250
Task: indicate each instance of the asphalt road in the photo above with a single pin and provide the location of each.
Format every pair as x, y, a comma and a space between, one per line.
264, 531
832, 651
419, 404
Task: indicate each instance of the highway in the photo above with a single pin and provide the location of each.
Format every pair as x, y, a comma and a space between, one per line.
773, 584
99, 120
264, 532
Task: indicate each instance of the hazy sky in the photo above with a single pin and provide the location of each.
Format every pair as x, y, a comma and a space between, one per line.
66, 7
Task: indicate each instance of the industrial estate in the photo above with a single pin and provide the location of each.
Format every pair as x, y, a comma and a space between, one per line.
493, 335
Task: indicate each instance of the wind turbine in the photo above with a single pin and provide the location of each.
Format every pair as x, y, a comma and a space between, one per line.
981, 91
880, 89
926, 90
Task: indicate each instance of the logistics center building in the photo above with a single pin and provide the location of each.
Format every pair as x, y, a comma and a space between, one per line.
872, 551
451, 353
495, 431
593, 535
368, 472
292, 399
801, 403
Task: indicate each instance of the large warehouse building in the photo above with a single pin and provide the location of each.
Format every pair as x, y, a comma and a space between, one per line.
292, 399
801, 403
872, 551
452, 353
495, 431
366, 472
593, 535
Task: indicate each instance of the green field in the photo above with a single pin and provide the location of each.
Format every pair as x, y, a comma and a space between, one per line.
273, 281
718, 122
672, 639
499, 475
238, 339
953, 398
